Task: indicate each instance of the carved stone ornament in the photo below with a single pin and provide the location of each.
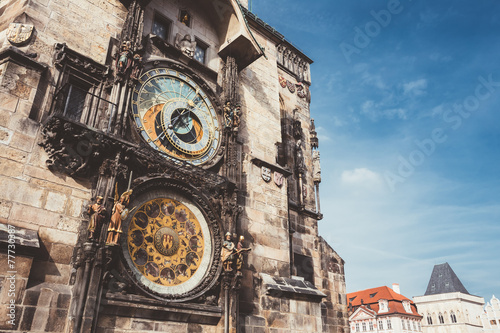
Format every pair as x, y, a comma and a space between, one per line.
300, 90
266, 174
278, 178
282, 81
291, 86
185, 45
20, 34
304, 191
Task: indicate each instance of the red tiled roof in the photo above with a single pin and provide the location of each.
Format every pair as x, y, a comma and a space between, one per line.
371, 297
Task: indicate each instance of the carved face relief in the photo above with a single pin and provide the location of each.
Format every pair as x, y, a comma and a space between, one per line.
266, 173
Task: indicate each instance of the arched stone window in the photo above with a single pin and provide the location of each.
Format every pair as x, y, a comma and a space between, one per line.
453, 317
441, 319
429, 319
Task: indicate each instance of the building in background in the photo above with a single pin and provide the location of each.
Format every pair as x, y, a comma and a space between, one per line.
491, 316
159, 171
447, 306
382, 309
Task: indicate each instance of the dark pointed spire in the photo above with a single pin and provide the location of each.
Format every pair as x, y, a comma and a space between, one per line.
444, 280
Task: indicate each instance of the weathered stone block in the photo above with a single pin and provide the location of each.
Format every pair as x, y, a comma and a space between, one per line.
61, 253
10, 168
5, 135
34, 215
56, 320
55, 202
142, 325
20, 191
22, 141
50, 235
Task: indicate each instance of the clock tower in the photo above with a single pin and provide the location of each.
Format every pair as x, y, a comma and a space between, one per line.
168, 171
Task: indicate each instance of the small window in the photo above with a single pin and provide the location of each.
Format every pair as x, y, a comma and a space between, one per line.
370, 326
76, 101
200, 52
493, 322
373, 295
364, 326
404, 325
357, 327
429, 319
441, 319
161, 27
389, 324
453, 317
380, 325
185, 17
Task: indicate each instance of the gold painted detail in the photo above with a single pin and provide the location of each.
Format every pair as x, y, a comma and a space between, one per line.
165, 241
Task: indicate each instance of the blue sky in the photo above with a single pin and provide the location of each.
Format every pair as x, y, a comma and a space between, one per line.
407, 98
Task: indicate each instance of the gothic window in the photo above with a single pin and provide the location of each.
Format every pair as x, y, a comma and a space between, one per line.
380, 325
429, 319
185, 17
389, 324
441, 319
453, 317
340, 298
200, 52
161, 27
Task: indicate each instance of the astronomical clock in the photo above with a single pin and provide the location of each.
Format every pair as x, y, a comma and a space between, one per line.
175, 116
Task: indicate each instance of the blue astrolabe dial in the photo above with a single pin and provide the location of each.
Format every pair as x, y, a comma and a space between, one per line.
175, 116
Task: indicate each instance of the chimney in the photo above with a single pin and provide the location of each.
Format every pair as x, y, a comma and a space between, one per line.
395, 287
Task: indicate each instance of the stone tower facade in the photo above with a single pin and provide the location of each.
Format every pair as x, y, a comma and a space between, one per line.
159, 171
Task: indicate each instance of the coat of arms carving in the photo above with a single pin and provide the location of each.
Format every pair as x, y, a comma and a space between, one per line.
266, 173
19, 34
278, 178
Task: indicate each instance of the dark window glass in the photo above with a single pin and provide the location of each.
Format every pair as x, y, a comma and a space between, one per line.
200, 52
161, 27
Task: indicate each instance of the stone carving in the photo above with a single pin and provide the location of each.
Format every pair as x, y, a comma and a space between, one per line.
231, 255
316, 167
278, 178
299, 157
239, 253
314, 136
185, 44
232, 116
227, 253
124, 59
290, 59
20, 34
119, 213
63, 55
97, 213
266, 173
282, 81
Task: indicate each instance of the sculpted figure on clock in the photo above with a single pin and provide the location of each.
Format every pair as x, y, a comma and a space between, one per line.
97, 213
119, 213
227, 253
185, 44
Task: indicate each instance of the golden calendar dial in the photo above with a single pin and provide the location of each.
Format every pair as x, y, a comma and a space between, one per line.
169, 246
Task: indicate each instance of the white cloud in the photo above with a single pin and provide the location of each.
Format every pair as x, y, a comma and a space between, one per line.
360, 176
415, 88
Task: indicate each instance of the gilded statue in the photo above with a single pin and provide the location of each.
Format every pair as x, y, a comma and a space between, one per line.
119, 213
97, 213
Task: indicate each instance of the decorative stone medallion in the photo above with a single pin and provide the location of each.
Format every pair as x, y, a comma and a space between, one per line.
19, 34
278, 178
266, 174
